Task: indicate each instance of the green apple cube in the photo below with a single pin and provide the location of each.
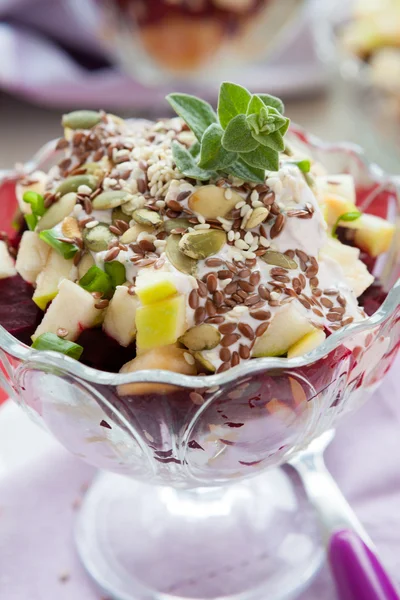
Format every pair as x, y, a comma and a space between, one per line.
32, 256
119, 322
73, 309
56, 269
287, 327
307, 343
7, 268
153, 287
373, 234
160, 323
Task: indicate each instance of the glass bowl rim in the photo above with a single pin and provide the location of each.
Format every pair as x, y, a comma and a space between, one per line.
19, 350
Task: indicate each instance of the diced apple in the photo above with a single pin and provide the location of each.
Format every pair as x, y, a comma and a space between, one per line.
73, 309
287, 327
153, 287
334, 207
168, 358
119, 322
32, 256
373, 234
161, 323
56, 269
7, 268
307, 343
86, 262
39, 178
355, 271
336, 185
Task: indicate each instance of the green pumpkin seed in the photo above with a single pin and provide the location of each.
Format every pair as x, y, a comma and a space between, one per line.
132, 234
202, 243
180, 261
81, 119
57, 212
202, 337
110, 199
212, 201
144, 216
71, 184
118, 215
98, 238
172, 224
279, 260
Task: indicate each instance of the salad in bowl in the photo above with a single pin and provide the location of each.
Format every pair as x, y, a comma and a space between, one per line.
188, 302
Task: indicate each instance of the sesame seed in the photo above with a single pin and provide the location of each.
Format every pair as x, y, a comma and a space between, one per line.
241, 244
228, 194
91, 224
202, 226
240, 204
231, 236
189, 358
254, 196
85, 190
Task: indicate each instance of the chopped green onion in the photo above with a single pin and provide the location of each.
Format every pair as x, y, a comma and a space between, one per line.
95, 280
66, 250
36, 201
116, 271
304, 165
31, 221
349, 216
50, 341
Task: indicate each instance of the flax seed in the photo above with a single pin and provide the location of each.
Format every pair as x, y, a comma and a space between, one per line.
239, 297
62, 332
261, 329
212, 283
347, 321
87, 205
215, 320
311, 272
332, 317
115, 230
224, 367
244, 273
246, 286
231, 288
183, 195
244, 352
210, 308
194, 299
122, 225
246, 330
255, 278
326, 302
227, 328
225, 354
112, 254
199, 315
305, 303
252, 300
302, 255
317, 312
290, 254
202, 289
214, 262
218, 298
224, 274
102, 304
263, 292
230, 339
235, 359
314, 282
261, 315
342, 301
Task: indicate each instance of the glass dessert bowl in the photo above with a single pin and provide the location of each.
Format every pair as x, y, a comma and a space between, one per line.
201, 497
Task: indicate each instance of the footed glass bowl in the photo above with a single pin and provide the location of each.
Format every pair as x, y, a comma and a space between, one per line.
190, 503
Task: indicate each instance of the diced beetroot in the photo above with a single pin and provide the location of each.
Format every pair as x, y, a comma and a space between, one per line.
18, 313
372, 299
103, 352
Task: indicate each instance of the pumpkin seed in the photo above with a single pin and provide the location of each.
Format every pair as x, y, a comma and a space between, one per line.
110, 199
57, 212
172, 224
81, 119
70, 228
95, 169
258, 215
132, 234
118, 215
98, 238
202, 337
180, 261
279, 260
204, 362
210, 201
144, 216
202, 243
71, 184
84, 265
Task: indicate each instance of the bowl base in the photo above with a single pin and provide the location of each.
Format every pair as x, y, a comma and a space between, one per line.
253, 539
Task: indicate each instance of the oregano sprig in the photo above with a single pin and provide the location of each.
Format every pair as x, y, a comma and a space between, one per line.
242, 139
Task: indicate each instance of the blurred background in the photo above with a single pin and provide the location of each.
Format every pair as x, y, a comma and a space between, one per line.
336, 63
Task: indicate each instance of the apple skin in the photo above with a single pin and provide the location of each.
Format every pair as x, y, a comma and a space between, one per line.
167, 358
307, 343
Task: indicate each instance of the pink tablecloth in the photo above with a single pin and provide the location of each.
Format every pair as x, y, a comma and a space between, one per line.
38, 505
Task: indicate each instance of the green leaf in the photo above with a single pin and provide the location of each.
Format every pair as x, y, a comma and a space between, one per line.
273, 140
243, 171
213, 155
255, 106
116, 272
238, 136
196, 113
194, 150
349, 216
187, 164
50, 341
233, 101
262, 158
51, 237
272, 101
96, 280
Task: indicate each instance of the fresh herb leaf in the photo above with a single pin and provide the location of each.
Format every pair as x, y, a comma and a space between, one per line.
273, 101
51, 237
212, 154
116, 272
243, 171
349, 216
262, 158
187, 164
273, 141
194, 150
50, 341
233, 100
96, 280
196, 113
238, 136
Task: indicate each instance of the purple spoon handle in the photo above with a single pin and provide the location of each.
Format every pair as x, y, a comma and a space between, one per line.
358, 573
